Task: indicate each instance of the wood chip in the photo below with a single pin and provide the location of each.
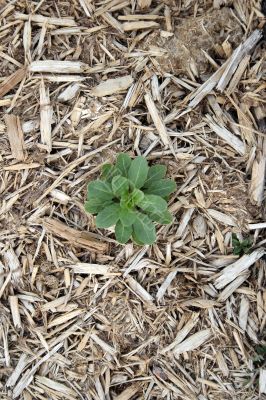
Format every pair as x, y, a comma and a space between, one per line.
46, 113
40, 19
221, 217
193, 342
59, 67
90, 269
238, 267
63, 390
11, 81
13, 301
75, 237
157, 120
137, 25
258, 179
139, 290
128, 393
15, 136
227, 136
262, 381
182, 334
112, 86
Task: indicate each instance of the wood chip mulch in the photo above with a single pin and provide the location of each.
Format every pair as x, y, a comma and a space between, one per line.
183, 83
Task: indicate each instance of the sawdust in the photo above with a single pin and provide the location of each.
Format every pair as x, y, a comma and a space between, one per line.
192, 36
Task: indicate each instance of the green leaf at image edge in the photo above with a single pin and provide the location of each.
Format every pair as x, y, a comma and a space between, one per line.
122, 233
108, 216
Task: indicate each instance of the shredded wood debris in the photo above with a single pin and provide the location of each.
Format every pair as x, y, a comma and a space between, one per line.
182, 83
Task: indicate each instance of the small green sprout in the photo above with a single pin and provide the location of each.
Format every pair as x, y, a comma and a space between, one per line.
133, 197
240, 247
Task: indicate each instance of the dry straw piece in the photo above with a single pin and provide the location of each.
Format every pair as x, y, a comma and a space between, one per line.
181, 83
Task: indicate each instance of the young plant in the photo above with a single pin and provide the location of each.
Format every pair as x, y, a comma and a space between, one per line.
240, 247
133, 197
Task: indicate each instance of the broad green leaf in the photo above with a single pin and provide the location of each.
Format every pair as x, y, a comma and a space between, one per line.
123, 163
109, 171
144, 229
122, 233
124, 200
100, 190
135, 240
162, 188
156, 172
153, 204
138, 171
136, 196
108, 217
127, 217
95, 205
105, 170
120, 185
163, 218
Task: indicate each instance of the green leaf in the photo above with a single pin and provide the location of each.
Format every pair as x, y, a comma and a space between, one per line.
162, 188
100, 190
108, 217
136, 197
120, 185
124, 200
138, 171
106, 169
127, 217
237, 251
123, 163
109, 171
163, 218
122, 233
153, 204
144, 229
95, 205
156, 172
135, 240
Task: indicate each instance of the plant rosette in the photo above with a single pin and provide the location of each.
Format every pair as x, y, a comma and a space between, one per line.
132, 197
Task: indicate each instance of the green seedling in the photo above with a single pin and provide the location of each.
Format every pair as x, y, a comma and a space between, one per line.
240, 247
133, 197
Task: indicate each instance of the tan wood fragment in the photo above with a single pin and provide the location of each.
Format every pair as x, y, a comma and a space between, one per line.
60, 67
258, 179
15, 136
192, 342
144, 3
237, 268
75, 237
40, 19
46, 114
136, 25
112, 86
11, 81
157, 120
129, 392
13, 301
